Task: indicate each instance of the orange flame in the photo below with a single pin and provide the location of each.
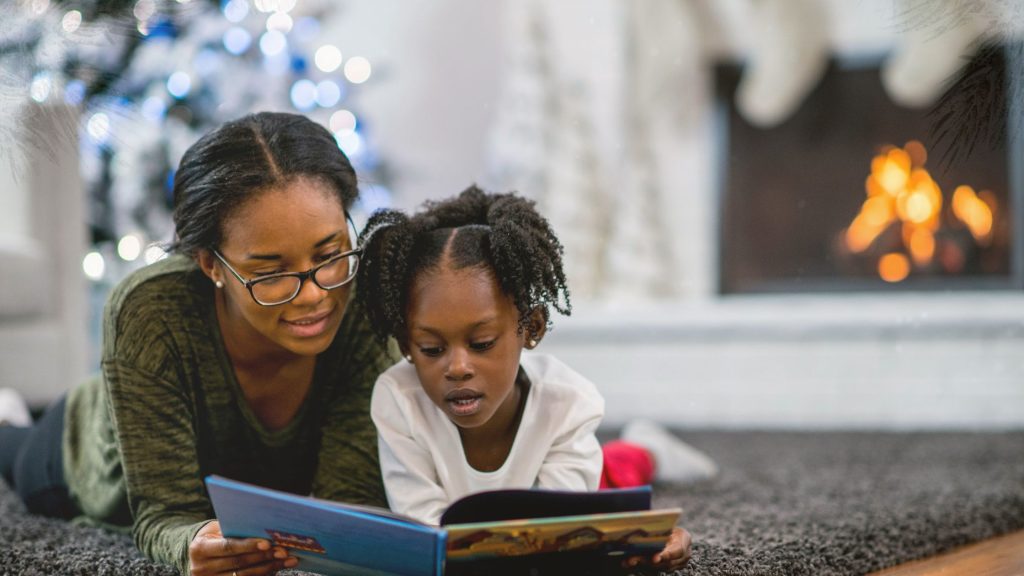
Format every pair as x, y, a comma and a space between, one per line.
900, 189
893, 267
974, 212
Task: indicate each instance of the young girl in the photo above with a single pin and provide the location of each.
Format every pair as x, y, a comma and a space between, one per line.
465, 287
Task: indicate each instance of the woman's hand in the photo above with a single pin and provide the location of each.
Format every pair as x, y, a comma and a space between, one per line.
675, 555
211, 553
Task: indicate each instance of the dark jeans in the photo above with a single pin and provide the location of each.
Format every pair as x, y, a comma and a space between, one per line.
32, 462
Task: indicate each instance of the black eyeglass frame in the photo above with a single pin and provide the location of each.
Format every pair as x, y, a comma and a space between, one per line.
302, 276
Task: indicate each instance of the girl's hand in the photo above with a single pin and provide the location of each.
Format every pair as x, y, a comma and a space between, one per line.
675, 555
211, 553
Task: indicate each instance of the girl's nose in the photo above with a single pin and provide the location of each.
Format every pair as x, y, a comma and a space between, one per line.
459, 367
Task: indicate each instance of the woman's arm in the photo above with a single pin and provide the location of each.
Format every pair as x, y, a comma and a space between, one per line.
348, 468
153, 423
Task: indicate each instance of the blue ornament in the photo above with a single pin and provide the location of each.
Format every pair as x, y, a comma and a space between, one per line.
163, 27
299, 64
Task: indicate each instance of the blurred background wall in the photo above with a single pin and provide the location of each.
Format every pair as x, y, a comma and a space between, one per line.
776, 213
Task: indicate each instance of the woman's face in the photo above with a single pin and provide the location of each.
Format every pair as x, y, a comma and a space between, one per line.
286, 229
465, 343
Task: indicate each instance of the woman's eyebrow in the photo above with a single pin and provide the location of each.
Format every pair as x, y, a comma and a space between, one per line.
326, 239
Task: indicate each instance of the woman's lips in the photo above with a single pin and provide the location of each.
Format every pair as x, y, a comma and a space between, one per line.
309, 326
464, 402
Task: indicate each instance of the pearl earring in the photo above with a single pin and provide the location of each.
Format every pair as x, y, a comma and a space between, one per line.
218, 284
408, 357
532, 342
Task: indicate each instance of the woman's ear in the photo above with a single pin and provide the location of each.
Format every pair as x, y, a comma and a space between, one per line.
208, 264
536, 327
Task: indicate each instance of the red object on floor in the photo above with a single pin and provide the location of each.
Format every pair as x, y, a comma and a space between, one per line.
626, 465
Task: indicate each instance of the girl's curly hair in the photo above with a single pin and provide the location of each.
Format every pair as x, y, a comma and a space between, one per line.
502, 232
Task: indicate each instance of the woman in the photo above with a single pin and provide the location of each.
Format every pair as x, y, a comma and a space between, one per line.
240, 356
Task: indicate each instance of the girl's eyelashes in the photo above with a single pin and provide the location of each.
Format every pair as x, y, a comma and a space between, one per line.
435, 351
481, 346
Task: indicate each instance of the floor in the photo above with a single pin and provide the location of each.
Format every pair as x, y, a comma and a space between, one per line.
1000, 556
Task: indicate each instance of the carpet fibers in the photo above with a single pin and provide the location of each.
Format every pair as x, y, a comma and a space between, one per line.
785, 504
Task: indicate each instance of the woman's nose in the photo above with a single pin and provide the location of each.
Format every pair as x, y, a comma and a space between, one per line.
459, 367
309, 293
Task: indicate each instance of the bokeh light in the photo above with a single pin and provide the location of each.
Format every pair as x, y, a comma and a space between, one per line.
328, 93
71, 21
357, 70
272, 43
237, 40
129, 247
98, 127
179, 84
40, 87
303, 94
342, 121
93, 265
327, 58
236, 10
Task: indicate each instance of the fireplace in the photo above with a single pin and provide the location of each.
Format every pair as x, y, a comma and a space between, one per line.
851, 193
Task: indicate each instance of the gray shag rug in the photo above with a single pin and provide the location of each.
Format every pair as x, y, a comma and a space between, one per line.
785, 504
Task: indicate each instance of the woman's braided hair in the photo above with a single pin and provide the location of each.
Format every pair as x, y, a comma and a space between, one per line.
501, 232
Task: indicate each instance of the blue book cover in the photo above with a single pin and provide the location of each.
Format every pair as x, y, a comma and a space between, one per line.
329, 537
480, 533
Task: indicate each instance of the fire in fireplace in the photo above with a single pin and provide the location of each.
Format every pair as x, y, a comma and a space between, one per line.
797, 215
905, 226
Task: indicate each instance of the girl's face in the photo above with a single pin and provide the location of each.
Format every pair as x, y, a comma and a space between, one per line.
286, 229
464, 341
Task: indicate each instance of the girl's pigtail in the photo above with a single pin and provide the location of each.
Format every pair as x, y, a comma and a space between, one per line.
387, 241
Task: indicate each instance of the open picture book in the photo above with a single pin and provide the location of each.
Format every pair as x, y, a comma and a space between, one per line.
482, 533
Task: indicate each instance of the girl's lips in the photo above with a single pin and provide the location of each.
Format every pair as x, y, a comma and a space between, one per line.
464, 402
465, 407
309, 326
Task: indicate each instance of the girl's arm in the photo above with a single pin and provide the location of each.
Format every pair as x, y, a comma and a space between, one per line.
410, 477
574, 459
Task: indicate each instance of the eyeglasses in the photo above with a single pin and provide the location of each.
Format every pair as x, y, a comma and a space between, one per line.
275, 289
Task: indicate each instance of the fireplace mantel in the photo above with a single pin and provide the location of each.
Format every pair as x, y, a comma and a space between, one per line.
893, 361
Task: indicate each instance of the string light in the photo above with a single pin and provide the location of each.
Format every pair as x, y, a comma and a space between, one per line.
327, 58
179, 84
237, 40
153, 254
98, 127
236, 10
154, 109
272, 43
328, 93
144, 10
350, 142
342, 121
303, 94
93, 265
71, 21
129, 247
39, 90
357, 70
279, 21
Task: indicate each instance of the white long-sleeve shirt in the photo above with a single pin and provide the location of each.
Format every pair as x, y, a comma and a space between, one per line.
425, 468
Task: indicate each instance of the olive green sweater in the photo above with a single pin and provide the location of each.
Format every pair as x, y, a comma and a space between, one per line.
166, 411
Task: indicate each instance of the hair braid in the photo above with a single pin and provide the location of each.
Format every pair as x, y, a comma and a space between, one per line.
501, 232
